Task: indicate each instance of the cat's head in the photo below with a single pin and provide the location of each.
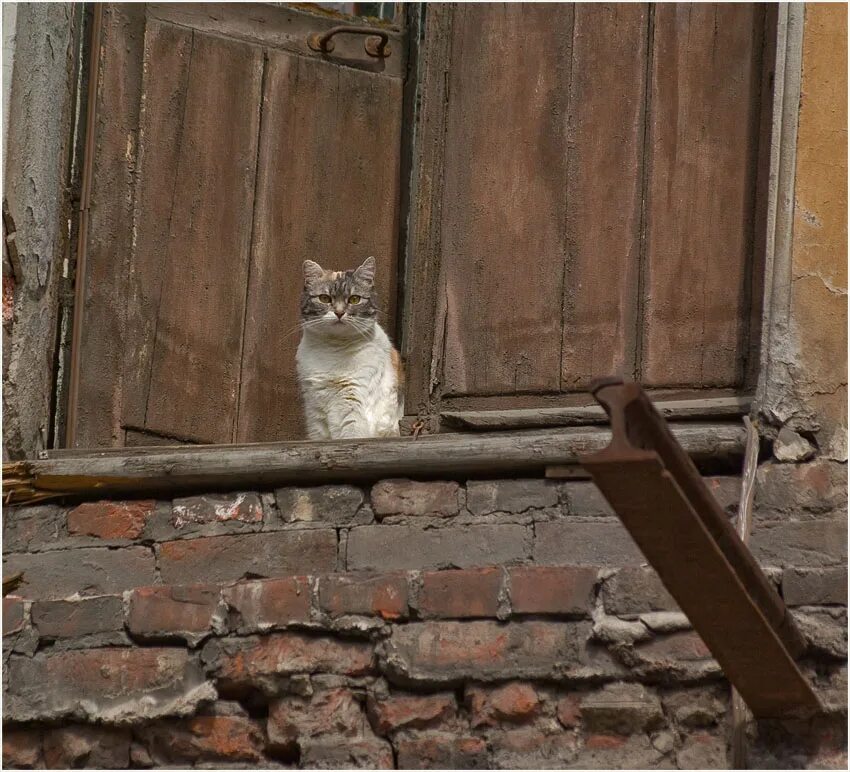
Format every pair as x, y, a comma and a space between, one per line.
339, 303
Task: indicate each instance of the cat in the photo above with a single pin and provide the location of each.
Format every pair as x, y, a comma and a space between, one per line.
350, 376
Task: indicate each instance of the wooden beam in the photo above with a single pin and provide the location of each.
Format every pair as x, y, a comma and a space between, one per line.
167, 470
662, 501
589, 415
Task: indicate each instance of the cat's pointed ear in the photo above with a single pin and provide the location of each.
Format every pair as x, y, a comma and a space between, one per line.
312, 271
366, 272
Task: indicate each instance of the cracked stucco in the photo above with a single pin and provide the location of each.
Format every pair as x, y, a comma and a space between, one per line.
808, 377
40, 105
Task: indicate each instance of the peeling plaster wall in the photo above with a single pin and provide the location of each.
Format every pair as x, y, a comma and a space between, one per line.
807, 383
36, 210
10, 13
819, 263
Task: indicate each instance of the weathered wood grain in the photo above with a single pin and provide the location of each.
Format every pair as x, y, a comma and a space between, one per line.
197, 347
604, 158
704, 126
751, 334
504, 205
572, 399
277, 25
424, 251
328, 190
95, 409
167, 470
167, 55
491, 420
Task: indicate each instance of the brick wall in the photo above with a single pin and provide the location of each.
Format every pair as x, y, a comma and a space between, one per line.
507, 623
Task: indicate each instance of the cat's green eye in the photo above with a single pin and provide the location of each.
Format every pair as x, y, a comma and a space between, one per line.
354, 299
324, 298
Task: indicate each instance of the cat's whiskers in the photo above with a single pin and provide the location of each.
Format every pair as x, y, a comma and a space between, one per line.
302, 325
359, 327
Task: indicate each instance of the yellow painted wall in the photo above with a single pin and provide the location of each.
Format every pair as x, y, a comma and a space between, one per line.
819, 262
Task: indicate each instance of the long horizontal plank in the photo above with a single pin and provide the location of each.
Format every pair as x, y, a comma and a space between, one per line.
454, 456
589, 415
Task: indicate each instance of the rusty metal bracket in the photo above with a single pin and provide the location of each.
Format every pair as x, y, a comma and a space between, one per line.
659, 495
376, 45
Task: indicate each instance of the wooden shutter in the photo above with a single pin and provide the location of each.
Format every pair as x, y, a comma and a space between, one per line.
591, 201
224, 152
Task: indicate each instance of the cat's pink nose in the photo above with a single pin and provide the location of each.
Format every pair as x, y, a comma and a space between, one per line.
339, 314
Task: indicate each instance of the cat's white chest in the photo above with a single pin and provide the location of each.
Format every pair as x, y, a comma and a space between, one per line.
348, 391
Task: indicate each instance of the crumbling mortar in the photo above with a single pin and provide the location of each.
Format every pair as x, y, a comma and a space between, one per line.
414, 588
505, 609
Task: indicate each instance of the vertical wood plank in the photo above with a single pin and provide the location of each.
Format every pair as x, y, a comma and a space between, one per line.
196, 359
755, 301
702, 159
504, 198
426, 199
328, 191
99, 355
604, 163
167, 55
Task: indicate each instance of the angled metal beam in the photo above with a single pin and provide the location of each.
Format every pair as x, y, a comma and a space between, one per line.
659, 495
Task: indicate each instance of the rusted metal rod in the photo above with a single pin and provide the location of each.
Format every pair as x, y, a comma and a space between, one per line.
663, 502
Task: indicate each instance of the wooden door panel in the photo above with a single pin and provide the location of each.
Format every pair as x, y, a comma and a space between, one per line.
197, 347
329, 166
96, 378
604, 163
597, 183
167, 54
225, 152
504, 198
703, 155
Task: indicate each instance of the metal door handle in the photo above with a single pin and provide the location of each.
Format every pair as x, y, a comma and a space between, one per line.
376, 45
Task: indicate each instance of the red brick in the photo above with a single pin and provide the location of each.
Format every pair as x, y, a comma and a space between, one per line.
804, 587
346, 753
621, 709
85, 571
605, 741
552, 590
439, 750
91, 747
110, 519
173, 611
384, 595
13, 615
633, 591
103, 683
216, 508
261, 605
76, 618
406, 497
22, 748
204, 739
515, 702
329, 712
683, 646
289, 653
568, 711
230, 558
530, 748
484, 649
466, 593
400, 711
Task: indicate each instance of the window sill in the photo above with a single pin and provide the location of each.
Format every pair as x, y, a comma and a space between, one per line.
182, 469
